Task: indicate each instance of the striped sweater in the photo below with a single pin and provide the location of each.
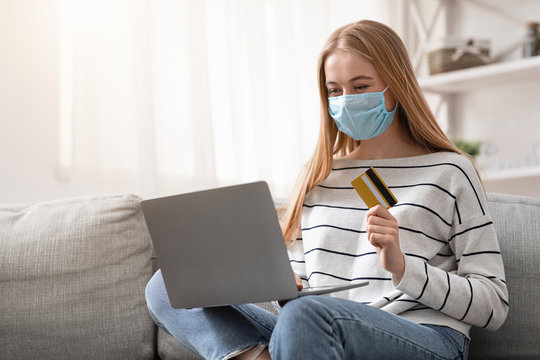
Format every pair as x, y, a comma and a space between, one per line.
454, 274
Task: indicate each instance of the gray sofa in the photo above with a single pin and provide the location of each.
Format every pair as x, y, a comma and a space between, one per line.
73, 273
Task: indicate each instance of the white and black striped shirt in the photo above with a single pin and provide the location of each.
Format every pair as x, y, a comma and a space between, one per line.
454, 274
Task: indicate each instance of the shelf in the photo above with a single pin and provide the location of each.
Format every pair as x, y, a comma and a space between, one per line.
482, 76
518, 181
513, 173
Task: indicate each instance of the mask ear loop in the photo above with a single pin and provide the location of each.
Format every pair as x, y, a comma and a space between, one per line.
386, 88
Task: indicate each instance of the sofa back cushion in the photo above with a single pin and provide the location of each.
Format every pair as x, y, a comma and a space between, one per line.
72, 279
517, 222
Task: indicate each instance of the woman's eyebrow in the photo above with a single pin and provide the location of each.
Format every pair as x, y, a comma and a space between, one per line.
359, 77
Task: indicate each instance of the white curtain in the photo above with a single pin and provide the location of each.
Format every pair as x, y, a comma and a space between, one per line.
161, 97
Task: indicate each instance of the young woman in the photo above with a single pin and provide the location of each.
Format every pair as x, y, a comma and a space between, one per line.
432, 261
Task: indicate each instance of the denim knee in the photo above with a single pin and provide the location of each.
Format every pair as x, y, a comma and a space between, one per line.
299, 317
300, 308
299, 322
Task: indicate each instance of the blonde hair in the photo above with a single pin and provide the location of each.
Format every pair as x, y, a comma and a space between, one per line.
379, 45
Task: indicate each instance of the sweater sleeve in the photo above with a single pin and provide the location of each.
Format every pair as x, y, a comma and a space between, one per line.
476, 293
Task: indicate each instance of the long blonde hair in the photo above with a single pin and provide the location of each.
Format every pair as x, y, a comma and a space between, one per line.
383, 49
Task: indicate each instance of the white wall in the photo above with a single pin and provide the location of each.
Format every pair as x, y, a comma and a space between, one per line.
28, 100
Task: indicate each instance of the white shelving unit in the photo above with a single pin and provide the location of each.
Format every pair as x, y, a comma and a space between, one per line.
519, 180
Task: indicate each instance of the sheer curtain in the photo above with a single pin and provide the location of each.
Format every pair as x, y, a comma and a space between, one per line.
161, 97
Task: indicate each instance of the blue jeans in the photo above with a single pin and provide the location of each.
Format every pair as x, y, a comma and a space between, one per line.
311, 327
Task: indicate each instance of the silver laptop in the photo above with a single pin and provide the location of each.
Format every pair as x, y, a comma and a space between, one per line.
223, 246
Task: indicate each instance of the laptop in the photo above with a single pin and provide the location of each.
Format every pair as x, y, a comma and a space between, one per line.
223, 246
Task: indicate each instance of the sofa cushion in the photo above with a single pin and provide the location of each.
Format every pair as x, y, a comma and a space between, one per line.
170, 349
72, 279
517, 222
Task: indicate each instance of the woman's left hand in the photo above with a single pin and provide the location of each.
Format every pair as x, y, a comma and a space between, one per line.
383, 233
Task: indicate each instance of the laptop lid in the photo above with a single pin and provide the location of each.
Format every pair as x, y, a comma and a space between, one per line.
220, 246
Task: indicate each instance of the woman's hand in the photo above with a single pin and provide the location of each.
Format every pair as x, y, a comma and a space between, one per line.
383, 233
298, 285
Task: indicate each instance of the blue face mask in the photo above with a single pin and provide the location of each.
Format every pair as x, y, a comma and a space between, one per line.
361, 116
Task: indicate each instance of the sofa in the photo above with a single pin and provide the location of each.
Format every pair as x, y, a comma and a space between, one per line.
73, 274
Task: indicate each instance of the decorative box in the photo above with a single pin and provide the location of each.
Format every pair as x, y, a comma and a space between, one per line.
453, 53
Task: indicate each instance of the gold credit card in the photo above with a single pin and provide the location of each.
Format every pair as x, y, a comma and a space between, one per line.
373, 190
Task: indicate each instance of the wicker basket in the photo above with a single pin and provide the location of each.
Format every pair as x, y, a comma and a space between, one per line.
457, 53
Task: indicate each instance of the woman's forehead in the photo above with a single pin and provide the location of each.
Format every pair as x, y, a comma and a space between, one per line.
344, 66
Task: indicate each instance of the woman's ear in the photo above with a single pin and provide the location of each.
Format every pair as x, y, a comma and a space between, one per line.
389, 100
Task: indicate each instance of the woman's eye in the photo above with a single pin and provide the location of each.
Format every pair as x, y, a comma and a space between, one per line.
333, 92
360, 87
